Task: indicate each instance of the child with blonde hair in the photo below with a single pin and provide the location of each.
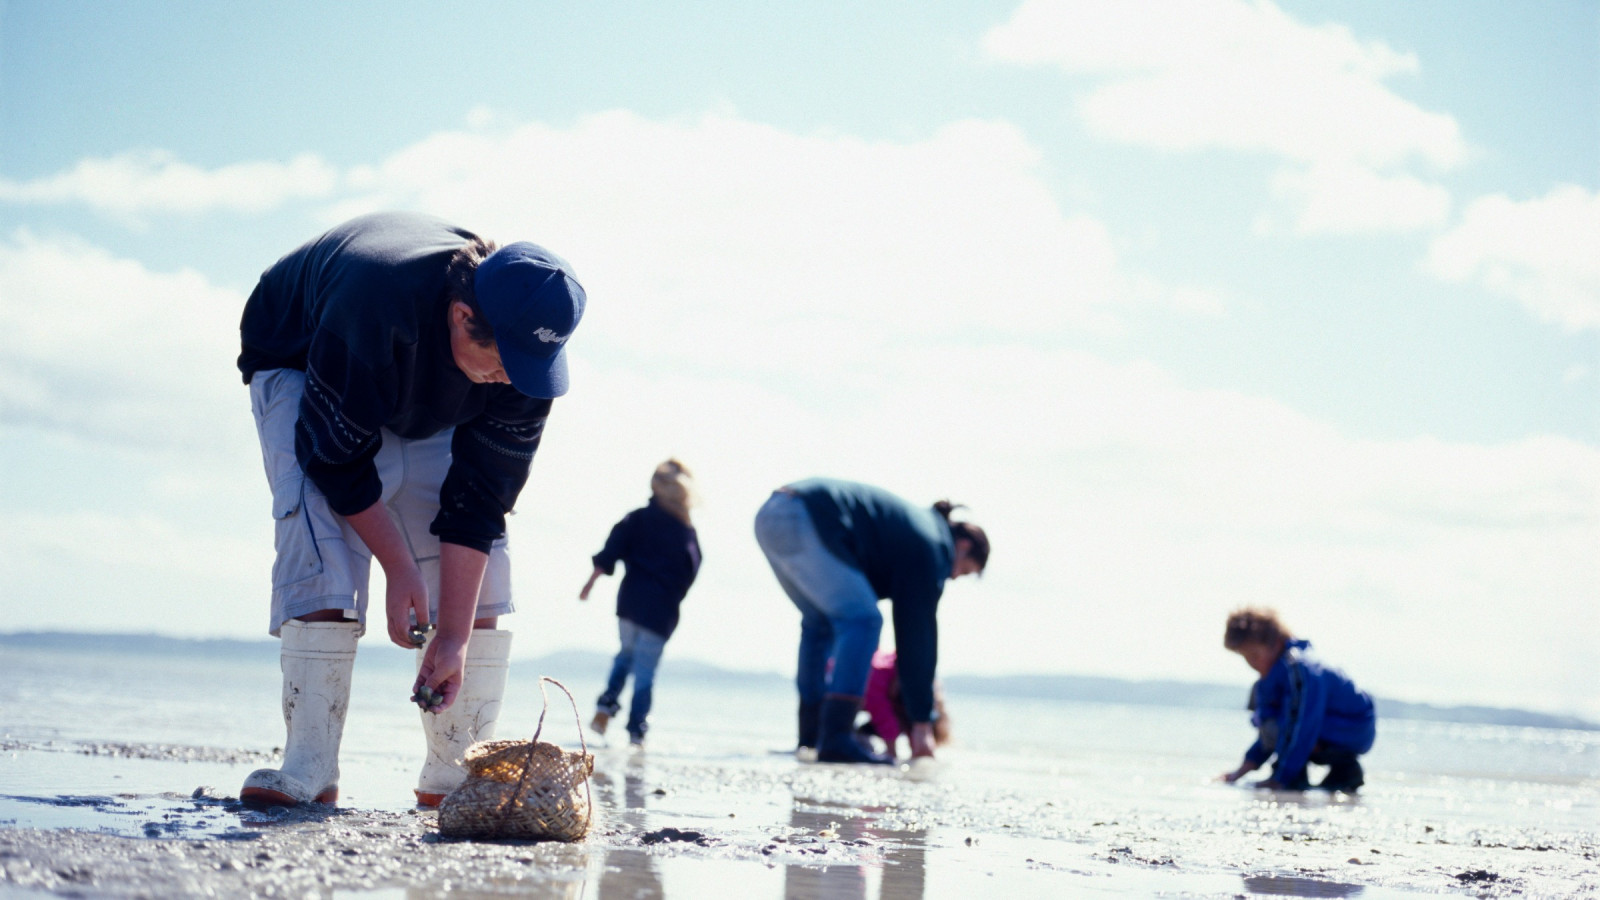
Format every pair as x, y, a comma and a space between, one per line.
660, 550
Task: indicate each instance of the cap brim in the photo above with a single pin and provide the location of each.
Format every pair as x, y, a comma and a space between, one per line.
535, 376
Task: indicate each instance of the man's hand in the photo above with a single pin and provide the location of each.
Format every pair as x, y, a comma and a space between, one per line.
921, 739
441, 668
460, 578
407, 595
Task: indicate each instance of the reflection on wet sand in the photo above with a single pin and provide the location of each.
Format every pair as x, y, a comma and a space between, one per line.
627, 804
626, 872
905, 867
904, 859
841, 882
629, 874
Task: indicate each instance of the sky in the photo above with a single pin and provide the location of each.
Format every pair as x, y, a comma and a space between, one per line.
1194, 305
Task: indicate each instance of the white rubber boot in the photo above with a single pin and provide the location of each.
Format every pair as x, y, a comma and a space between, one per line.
468, 720
316, 658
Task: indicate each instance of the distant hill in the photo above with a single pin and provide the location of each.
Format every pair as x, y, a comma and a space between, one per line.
82, 642
1074, 688
1087, 689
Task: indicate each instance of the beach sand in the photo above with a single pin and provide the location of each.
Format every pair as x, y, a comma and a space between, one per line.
155, 820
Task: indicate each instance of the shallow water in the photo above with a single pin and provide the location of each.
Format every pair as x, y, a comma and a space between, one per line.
1036, 798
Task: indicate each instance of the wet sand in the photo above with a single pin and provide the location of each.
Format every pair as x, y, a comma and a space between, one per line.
151, 820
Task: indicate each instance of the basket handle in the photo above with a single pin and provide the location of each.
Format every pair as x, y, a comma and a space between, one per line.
577, 719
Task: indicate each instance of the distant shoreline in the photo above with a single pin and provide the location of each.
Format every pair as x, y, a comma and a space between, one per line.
1070, 688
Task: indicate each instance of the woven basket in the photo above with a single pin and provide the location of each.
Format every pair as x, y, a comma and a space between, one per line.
529, 790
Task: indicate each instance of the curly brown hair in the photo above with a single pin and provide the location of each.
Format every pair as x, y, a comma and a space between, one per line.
1254, 625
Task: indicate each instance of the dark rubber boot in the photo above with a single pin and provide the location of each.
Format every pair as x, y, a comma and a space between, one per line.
1344, 774
836, 736
810, 721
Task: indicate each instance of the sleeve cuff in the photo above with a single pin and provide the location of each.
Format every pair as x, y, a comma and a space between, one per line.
347, 499
466, 540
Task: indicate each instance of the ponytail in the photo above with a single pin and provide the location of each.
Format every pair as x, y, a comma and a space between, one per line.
967, 531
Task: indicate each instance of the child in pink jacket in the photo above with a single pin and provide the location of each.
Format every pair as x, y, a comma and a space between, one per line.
888, 718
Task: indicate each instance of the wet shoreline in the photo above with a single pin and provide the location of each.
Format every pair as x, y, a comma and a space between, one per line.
666, 823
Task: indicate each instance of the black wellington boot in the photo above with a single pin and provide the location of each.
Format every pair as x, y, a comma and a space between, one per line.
810, 721
836, 738
1344, 774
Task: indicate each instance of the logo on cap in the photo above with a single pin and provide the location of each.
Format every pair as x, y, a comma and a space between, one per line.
549, 337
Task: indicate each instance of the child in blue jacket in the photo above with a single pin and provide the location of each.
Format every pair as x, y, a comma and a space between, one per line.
661, 552
1307, 712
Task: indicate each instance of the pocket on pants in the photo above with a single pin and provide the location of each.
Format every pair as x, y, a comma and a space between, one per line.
296, 545
779, 527
288, 493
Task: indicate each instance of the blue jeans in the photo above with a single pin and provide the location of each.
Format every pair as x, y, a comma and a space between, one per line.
839, 615
641, 651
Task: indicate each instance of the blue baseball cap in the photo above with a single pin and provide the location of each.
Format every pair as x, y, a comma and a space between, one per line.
533, 302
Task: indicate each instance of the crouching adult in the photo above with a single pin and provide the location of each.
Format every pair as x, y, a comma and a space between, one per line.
401, 370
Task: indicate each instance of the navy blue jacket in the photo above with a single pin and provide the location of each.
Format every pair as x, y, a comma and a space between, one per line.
1312, 703
662, 556
906, 552
362, 310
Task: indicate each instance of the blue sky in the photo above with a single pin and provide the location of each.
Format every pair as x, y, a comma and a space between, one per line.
1193, 304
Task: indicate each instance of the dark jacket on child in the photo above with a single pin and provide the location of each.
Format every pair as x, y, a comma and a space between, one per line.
661, 555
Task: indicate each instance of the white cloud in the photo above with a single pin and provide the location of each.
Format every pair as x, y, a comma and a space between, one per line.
95, 345
134, 184
1343, 199
754, 224
1246, 77
1544, 253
